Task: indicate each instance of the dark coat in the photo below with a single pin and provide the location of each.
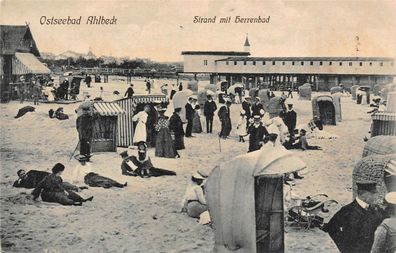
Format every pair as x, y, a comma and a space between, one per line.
209, 108
256, 108
53, 189
84, 126
290, 119
176, 127
257, 135
24, 110
95, 180
352, 228
246, 107
224, 116
31, 180
129, 92
189, 112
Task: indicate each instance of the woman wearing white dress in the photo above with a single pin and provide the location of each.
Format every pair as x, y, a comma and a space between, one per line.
141, 131
241, 127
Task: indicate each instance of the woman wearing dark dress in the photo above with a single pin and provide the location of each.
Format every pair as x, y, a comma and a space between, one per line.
51, 189
176, 127
164, 146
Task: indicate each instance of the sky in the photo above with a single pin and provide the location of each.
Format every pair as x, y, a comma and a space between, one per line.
160, 30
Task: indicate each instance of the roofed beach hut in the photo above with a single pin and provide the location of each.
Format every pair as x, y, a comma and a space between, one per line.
132, 106
384, 123
305, 91
245, 200
275, 106
105, 126
323, 107
336, 89
372, 168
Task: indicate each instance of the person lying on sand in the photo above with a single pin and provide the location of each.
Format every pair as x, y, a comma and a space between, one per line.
51, 189
32, 178
24, 110
93, 179
300, 142
141, 165
194, 202
314, 129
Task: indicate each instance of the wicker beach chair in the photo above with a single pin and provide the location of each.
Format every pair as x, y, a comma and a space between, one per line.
380, 145
373, 168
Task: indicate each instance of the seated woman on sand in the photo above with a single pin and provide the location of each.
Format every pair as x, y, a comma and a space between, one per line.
141, 165
194, 202
51, 189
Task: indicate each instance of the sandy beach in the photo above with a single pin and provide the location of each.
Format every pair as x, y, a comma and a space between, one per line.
144, 216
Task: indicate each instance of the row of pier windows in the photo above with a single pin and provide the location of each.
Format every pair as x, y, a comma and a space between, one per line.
311, 63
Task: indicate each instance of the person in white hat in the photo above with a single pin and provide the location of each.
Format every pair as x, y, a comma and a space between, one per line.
194, 202
257, 134
385, 235
241, 127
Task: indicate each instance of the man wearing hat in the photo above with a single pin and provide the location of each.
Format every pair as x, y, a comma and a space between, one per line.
190, 114
257, 133
129, 92
224, 116
385, 235
246, 107
290, 119
84, 128
257, 106
209, 108
352, 228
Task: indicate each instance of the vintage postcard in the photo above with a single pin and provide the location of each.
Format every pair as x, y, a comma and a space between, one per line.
197, 126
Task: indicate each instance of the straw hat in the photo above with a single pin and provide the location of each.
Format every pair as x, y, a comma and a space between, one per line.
390, 197
197, 175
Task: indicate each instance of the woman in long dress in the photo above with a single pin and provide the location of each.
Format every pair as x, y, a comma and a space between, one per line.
241, 127
164, 144
176, 127
197, 127
194, 202
141, 131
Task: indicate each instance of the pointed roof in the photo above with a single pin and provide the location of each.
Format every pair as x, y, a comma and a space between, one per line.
247, 44
11, 37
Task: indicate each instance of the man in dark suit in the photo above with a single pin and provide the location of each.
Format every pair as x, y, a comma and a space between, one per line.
84, 127
246, 107
352, 228
209, 108
29, 179
224, 116
257, 107
290, 119
257, 134
190, 114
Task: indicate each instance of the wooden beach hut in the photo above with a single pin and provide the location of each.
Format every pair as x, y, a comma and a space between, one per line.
131, 106
336, 89
245, 200
275, 106
105, 126
323, 107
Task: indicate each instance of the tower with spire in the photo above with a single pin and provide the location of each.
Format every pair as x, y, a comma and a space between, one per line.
246, 46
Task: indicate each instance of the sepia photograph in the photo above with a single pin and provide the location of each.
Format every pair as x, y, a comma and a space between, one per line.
179, 126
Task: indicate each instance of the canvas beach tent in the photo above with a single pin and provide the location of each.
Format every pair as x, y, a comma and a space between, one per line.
245, 200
